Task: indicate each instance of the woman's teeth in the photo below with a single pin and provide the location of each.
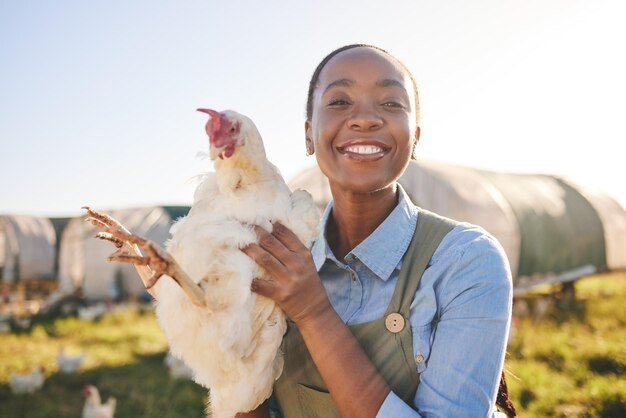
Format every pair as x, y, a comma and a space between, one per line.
363, 149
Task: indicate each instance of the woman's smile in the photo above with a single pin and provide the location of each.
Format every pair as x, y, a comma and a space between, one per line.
363, 150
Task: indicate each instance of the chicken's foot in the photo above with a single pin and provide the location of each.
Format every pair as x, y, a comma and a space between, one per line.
105, 223
153, 265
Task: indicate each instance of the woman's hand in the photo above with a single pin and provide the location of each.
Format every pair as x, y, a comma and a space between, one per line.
295, 285
298, 290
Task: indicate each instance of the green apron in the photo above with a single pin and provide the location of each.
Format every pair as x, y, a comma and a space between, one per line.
388, 342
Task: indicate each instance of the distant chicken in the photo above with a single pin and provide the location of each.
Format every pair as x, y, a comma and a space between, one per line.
94, 408
228, 335
69, 363
92, 313
27, 383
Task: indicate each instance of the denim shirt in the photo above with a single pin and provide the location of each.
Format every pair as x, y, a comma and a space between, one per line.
459, 317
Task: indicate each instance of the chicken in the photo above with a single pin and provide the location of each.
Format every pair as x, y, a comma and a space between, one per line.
27, 383
92, 313
228, 335
177, 368
68, 363
94, 408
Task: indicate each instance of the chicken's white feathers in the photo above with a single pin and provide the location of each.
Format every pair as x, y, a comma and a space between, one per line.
94, 408
177, 368
233, 345
69, 363
27, 383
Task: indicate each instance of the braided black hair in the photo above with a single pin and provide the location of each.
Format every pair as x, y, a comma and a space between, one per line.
322, 64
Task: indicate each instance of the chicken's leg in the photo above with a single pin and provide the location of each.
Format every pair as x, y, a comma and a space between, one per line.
150, 267
106, 222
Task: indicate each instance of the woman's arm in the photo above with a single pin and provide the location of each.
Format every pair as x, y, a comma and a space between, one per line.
355, 385
469, 341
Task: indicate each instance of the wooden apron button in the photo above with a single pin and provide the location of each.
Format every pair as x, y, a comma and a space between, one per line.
394, 322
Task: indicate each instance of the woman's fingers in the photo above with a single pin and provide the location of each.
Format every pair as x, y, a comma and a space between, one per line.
270, 243
294, 285
263, 287
266, 260
284, 245
288, 238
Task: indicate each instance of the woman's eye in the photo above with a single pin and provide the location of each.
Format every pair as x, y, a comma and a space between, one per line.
395, 105
338, 102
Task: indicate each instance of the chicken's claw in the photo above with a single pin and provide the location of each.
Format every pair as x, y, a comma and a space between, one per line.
115, 232
155, 276
107, 236
128, 258
159, 260
152, 265
96, 222
103, 220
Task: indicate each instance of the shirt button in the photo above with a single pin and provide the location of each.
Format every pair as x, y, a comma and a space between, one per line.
419, 358
394, 322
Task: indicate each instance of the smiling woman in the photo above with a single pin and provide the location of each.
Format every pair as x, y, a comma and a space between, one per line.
364, 91
396, 311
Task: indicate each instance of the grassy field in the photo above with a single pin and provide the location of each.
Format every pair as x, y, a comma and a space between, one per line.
569, 363
124, 358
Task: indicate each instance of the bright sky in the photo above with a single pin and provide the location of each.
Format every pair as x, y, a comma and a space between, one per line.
98, 99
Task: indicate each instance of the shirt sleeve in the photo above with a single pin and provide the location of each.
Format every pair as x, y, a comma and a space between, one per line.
469, 335
394, 407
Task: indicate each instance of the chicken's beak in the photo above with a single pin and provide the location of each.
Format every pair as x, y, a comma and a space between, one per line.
215, 152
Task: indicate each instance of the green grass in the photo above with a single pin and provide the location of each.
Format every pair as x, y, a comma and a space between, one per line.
569, 364
124, 359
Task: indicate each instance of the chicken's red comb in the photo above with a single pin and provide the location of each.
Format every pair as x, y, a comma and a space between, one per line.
215, 117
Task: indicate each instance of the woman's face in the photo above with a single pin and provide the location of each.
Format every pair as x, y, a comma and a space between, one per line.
363, 123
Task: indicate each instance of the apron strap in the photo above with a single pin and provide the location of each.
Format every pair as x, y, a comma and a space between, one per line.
430, 231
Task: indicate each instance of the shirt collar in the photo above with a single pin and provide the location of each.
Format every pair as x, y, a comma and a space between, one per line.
392, 236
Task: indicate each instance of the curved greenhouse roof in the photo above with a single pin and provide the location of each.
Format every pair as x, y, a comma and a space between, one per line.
27, 248
547, 225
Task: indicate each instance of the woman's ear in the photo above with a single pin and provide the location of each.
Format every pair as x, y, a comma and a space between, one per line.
310, 149
415, 141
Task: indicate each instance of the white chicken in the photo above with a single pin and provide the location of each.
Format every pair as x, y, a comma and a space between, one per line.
94, 408
229, 336
27, 383
92, 313
69, 363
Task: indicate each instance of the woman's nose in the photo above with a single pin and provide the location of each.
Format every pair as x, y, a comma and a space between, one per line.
364, 118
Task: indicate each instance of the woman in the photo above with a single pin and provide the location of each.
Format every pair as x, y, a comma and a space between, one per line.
382, 335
